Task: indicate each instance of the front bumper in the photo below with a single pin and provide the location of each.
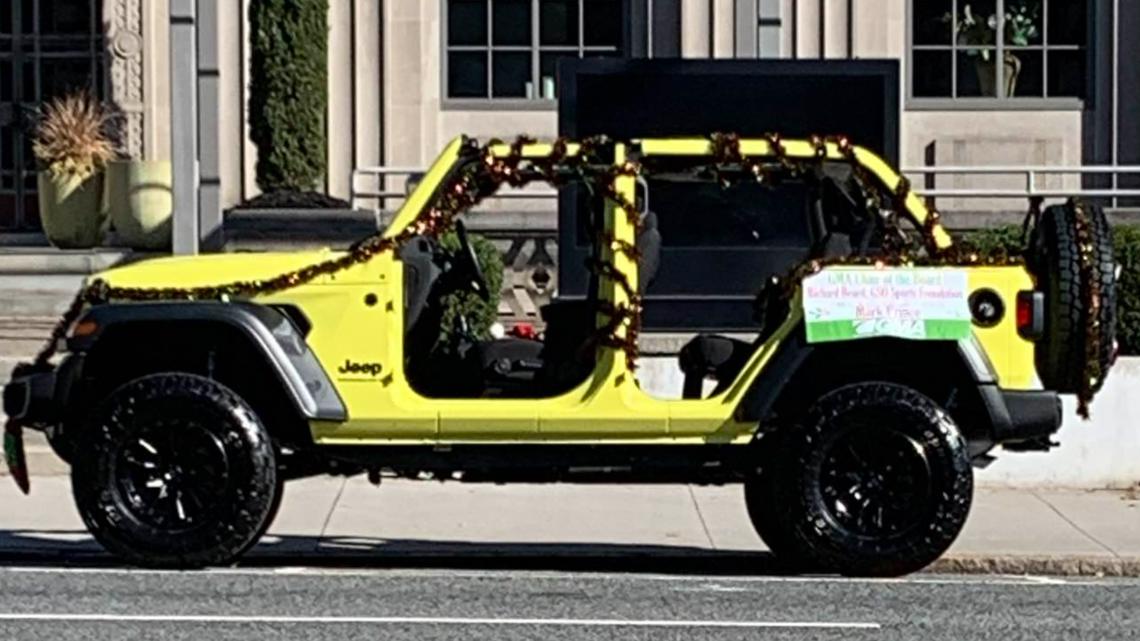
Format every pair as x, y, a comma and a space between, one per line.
29, 398
37, 397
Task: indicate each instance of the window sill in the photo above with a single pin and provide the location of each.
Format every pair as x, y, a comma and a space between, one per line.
994, 104
497, 104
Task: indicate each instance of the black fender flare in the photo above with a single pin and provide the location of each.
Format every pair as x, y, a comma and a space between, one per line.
1011, 415
270, 331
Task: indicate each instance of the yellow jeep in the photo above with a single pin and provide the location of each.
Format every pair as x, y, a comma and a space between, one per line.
885, 366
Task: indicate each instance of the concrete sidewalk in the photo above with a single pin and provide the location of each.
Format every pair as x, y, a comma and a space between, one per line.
333, 520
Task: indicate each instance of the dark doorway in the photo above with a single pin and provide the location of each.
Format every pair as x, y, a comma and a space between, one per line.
47, 48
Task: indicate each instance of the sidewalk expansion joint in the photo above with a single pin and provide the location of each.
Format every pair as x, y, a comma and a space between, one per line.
1075, 526
701, 516
332, 509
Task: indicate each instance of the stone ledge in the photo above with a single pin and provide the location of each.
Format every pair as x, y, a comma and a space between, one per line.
968, 220
1058, 565
48, 260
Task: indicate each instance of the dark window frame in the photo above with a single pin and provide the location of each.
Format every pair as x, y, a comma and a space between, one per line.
535, 49
995, 102
26, 53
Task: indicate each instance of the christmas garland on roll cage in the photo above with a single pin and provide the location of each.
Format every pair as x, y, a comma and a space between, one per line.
475, 181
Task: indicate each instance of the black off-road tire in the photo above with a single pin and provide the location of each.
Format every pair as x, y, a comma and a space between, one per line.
220, 457
61, 445
764, 510
930, 511
1060, 353
271, 514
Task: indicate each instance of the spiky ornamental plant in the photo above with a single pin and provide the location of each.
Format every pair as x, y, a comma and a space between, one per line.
288, 92
71, 137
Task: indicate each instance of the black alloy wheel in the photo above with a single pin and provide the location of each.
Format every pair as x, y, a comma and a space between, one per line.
172, 473
177, 471
875, 480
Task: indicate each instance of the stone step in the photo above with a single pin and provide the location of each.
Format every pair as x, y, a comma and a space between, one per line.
42, 281
31, 299
24, 337
47, 260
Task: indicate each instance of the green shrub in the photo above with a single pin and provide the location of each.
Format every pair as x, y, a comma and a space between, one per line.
480, 314
1126, 241
288, 92
1007, 237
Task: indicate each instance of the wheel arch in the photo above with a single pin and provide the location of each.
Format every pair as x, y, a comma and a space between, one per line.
254, 349
955, 374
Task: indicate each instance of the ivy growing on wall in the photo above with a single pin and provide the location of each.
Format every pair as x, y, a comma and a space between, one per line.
288, 92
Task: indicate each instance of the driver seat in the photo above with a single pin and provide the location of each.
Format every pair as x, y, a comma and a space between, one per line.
520, 367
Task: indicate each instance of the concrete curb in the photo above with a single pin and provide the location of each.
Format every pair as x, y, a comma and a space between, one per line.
1059, 565
710, 562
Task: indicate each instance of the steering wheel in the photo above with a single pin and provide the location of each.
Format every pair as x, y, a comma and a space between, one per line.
468, 261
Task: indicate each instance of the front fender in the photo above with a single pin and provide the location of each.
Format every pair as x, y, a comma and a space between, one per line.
271, 333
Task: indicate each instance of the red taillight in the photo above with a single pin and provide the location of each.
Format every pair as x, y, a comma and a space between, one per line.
1024, 312
1030, 314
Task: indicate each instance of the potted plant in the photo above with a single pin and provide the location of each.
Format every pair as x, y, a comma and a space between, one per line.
139, 201
980, 34
72, 146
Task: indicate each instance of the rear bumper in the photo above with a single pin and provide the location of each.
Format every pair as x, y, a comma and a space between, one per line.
1025, 418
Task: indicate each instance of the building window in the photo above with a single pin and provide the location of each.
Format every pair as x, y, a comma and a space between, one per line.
47, 48
956, 46
509, 49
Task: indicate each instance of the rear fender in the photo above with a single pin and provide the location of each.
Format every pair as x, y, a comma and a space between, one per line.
955, 374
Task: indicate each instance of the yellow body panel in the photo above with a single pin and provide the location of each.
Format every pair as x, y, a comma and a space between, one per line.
609, 407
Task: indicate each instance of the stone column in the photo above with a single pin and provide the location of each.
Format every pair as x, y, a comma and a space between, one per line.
124, 20
184, 124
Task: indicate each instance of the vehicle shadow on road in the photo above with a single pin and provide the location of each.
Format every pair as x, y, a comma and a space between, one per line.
75, 548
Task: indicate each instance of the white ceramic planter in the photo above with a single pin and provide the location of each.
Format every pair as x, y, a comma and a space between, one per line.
139, 202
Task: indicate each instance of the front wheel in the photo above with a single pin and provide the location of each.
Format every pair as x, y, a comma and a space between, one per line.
875, 481
177, 472
764, 508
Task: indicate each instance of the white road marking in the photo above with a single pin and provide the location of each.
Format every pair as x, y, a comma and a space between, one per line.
609, 623
1046, 580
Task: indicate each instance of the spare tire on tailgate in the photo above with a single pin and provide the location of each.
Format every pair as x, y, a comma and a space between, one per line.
1071, 255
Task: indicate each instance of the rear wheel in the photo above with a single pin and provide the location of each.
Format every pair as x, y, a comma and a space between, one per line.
178, 472
876, 481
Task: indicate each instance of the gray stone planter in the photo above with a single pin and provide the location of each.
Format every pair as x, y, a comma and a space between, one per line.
286, 229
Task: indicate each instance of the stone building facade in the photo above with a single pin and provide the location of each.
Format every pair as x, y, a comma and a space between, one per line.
407, 75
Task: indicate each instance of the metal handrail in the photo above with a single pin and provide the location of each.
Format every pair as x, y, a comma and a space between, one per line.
1029, 172
382, 172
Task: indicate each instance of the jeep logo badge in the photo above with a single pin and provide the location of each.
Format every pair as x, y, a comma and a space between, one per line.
371, 369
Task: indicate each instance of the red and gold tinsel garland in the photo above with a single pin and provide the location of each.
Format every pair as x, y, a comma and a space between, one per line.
482, 177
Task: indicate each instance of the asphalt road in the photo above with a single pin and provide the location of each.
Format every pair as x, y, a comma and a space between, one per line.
60, 604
